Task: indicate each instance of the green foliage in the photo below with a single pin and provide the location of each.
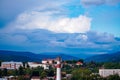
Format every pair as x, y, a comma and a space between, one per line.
0, 62
0, 73
67, 68
13, 72
21, 71
112, 65
81, 74
28, 71
50, 73
114, 77
43, 74
93, 66
35, 73
5, 72
74, 61
22, 78
81, 60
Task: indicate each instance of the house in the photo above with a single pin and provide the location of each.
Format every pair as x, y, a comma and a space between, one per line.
79, 63
11, 65
35, 78
48, 61
34, 65
108, 72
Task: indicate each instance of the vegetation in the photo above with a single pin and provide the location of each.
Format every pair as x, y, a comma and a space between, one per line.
112, 65
87, 71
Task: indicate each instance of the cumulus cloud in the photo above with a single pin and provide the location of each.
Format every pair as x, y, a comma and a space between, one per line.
87, 3
48, 16
46, 20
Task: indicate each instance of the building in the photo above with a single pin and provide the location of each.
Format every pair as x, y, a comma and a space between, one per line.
79, 63
58, 70
48, 61
11, 65
35, 78
34, 65
3, 79
108, 72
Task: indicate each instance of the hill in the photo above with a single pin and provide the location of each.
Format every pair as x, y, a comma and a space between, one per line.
110, 57
29, 56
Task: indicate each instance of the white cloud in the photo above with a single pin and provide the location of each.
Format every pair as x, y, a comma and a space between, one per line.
48, 21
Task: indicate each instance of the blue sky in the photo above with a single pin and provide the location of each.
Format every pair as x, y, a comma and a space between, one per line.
64, 26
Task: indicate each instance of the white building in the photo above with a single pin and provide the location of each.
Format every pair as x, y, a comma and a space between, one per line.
11, 65
48, 61
35, 78
3, 78
108, 72
34, 65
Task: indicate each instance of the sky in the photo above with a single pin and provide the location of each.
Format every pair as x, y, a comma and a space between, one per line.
61, 26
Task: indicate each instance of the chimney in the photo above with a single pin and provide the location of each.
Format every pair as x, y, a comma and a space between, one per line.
58, 66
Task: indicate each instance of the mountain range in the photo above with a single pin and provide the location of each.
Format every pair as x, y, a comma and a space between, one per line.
110, 57
29, 56
6, 55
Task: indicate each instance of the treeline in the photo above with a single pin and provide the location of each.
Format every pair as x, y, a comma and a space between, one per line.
86, 74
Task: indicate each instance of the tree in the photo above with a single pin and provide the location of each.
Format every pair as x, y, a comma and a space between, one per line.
28, 71
21, 78
43, 74
21, 71
50, 73
81, 60
0, 73
5, 72
35, 73
81, 74
114, 77
24, 64
112, 65
0, 62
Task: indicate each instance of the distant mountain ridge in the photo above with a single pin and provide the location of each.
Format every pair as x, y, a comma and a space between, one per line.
29, 56
110, 57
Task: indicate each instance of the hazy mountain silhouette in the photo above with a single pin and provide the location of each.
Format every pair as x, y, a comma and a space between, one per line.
29, 56
110, 57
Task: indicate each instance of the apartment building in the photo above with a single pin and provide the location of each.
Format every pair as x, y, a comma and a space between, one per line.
11, 65
108, 72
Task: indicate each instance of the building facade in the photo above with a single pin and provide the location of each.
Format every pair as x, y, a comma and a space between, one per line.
108, 72
34, 65
11, 65
48, 61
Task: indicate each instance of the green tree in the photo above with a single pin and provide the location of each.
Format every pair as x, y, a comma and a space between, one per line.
114, 77
0, 73
112, 65
50, 73
81, 60
81, 74
43, 74
21, 78
21, 71
5, 72
28, 71
0, 62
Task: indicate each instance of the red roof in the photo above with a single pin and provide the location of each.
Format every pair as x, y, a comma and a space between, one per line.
79, 63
